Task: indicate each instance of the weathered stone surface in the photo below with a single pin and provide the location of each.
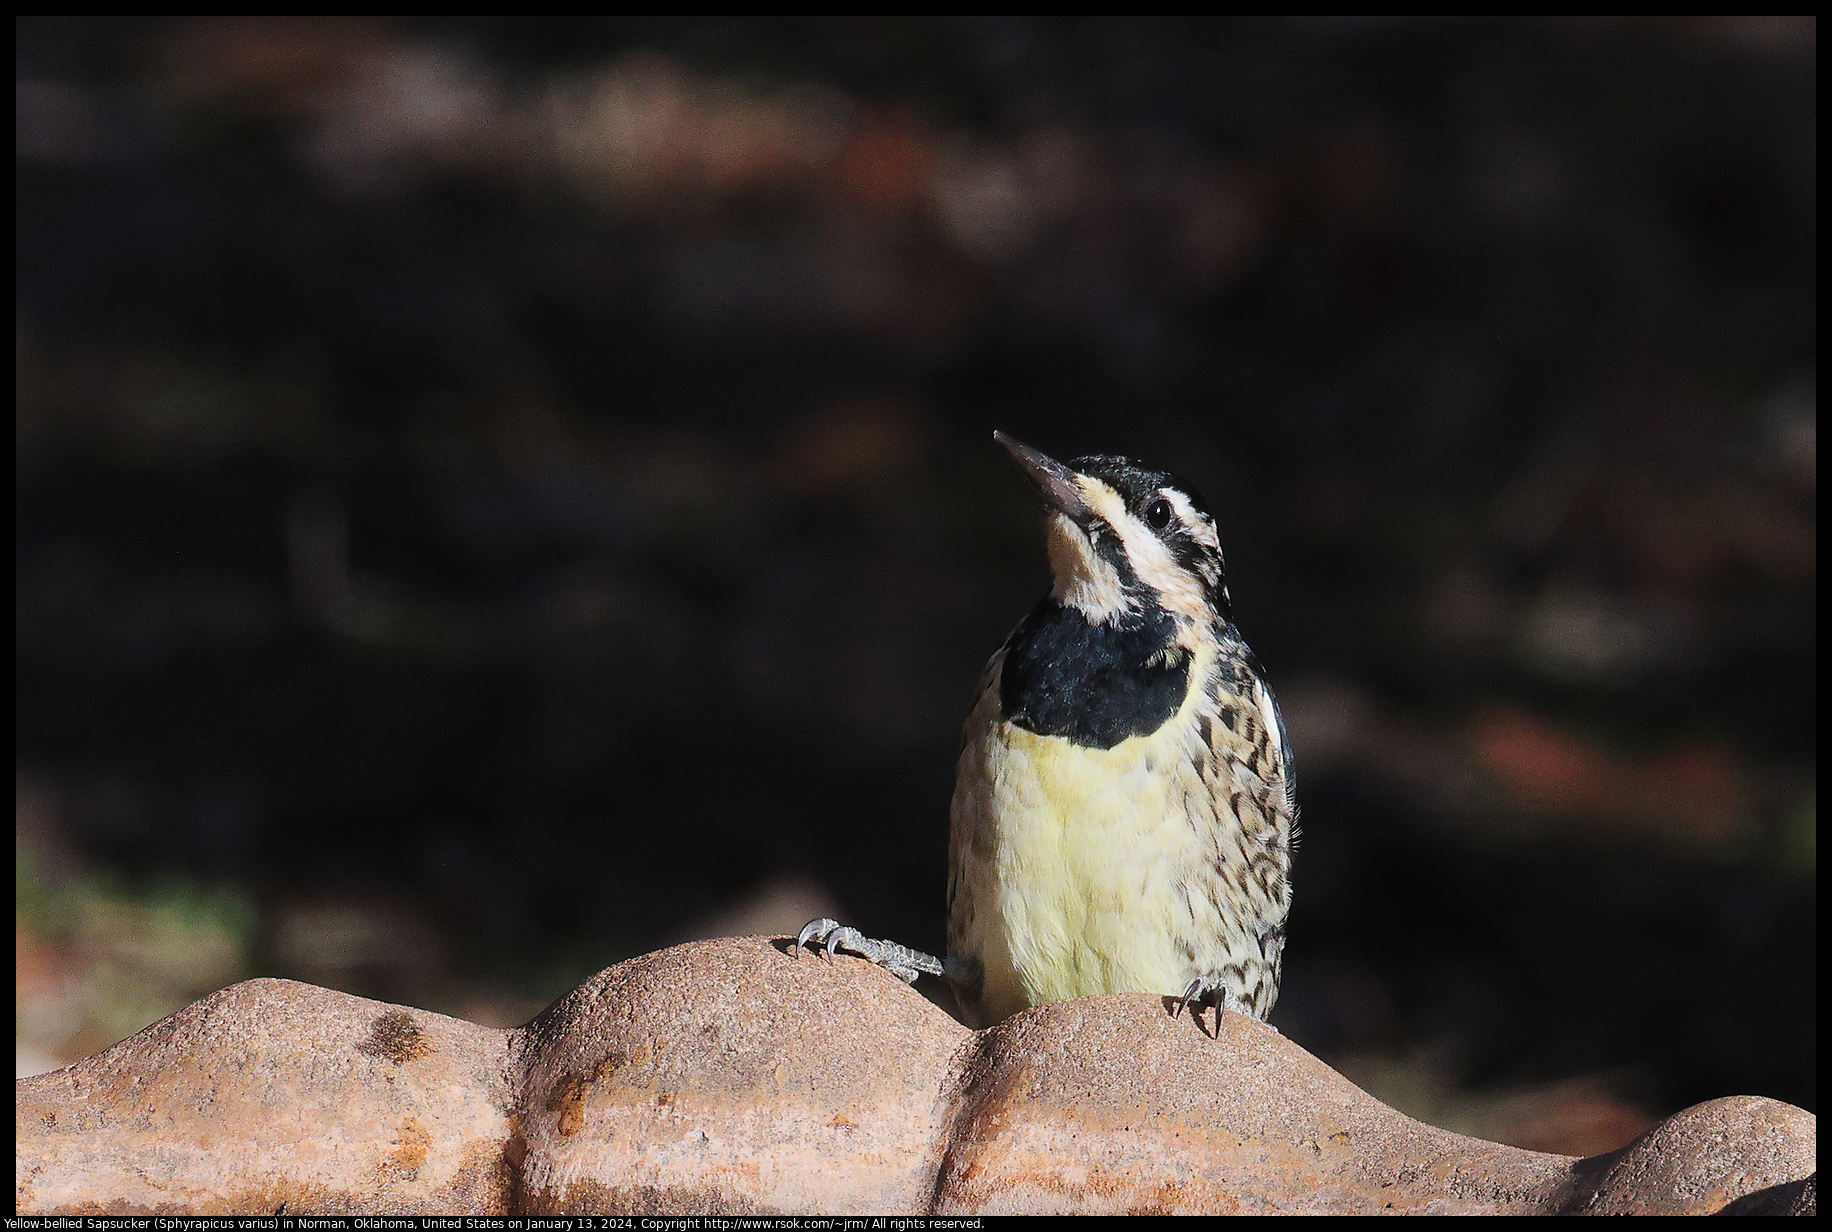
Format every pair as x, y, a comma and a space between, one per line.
1109, 1106
728, 1076
1698, 1161
736, 1076
274, 1093
1793, 1198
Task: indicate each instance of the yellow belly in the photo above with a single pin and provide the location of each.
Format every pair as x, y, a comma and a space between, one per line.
1095, 849
1085, 871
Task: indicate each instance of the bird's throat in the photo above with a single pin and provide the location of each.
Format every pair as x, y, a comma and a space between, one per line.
1092, 683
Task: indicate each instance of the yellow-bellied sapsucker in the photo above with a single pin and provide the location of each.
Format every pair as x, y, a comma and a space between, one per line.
1123, 809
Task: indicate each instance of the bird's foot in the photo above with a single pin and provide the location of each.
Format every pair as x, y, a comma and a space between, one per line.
900, 960
1210, 990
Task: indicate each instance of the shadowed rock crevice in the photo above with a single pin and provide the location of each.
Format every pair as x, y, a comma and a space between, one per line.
728, 1076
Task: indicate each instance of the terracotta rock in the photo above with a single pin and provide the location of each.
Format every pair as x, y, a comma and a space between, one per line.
1107, 1105
268, 1094
1793, 1198
1698, 1161
729, 1076
736, 1076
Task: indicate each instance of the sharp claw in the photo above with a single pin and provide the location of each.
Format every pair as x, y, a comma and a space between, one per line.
832, 936
1214, 993
815, 931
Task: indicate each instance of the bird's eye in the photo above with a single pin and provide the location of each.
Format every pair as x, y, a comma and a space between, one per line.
1157, 514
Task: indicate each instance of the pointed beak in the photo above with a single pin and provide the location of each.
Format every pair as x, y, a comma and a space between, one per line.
1054, 480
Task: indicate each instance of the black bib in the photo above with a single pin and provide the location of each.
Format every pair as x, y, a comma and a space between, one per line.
1091, 684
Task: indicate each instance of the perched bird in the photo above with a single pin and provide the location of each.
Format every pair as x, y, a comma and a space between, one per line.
1123, 808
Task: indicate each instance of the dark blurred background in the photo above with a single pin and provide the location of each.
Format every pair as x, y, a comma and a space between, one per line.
497, 496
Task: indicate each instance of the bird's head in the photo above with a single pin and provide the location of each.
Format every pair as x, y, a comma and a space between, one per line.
1127, 543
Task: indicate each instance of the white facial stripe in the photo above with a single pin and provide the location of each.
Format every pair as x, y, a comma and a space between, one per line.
1180, 593
1103, 499
1151, 559
1087, 582
1083, 580
1201, 529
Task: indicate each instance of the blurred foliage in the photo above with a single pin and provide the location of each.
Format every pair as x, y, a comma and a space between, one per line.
97, 960
499, 495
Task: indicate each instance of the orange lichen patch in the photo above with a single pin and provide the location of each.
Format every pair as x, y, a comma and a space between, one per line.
568, 1099
411, 1144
